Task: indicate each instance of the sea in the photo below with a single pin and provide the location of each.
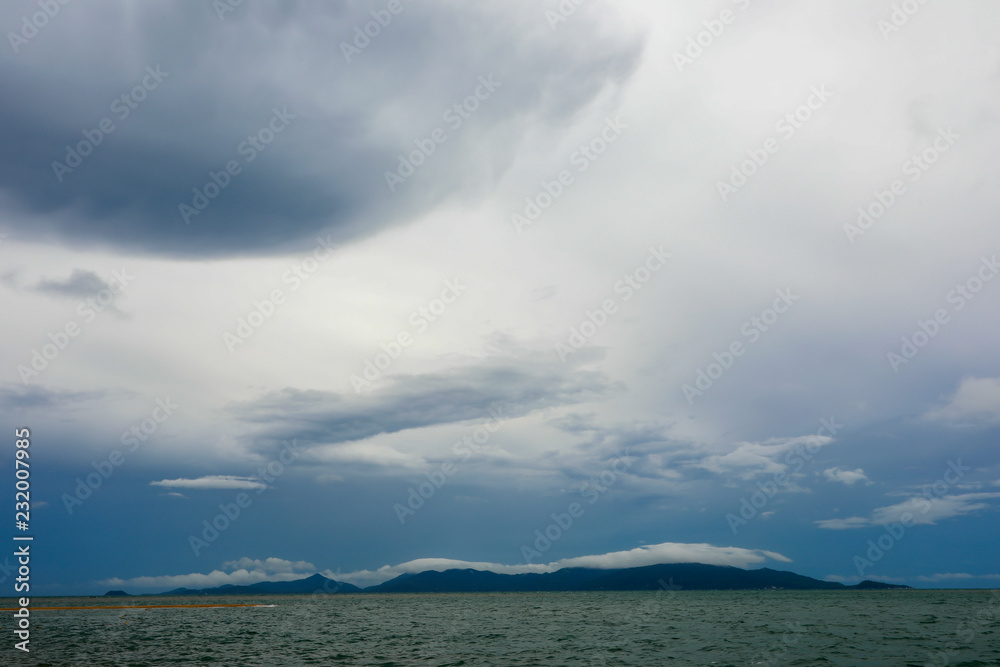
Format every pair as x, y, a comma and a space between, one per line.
667, 627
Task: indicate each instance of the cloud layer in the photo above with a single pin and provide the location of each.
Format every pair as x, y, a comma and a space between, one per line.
834, 409
179, 116
246, 570
212, 482
919, 510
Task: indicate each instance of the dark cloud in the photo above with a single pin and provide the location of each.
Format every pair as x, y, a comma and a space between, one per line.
416, 401
79, 284
207, 84
13, 397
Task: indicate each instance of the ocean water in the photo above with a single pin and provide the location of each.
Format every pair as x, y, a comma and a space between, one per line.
592, 629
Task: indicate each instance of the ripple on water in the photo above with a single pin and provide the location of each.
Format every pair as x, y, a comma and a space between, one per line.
841, 628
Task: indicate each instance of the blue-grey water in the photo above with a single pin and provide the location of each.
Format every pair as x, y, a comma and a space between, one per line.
593, 629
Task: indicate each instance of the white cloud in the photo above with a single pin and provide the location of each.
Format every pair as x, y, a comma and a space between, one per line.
977, 402
363, 297
370, 577
251, 571
843, 524
760, 458
953, 576
196, 580
367, 452
212, 482
848, 477
671, 552
248, 571
668, 552
922, 511
930, 511
270, 565
854, 579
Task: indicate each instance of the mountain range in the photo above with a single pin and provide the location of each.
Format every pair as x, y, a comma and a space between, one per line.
671, 576
317, 583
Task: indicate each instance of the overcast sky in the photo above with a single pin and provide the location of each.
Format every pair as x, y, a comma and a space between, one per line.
372, 287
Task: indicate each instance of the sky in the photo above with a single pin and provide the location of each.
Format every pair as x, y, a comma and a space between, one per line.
367, 288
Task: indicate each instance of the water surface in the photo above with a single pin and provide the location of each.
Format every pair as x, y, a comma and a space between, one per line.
593, 629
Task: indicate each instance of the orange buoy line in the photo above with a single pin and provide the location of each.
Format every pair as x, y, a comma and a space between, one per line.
141, 606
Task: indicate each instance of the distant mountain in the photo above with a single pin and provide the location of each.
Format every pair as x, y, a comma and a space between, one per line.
672, 576
314, 584
116, 594
868, 584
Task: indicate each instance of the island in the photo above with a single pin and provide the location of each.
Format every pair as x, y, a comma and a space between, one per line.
671, 576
